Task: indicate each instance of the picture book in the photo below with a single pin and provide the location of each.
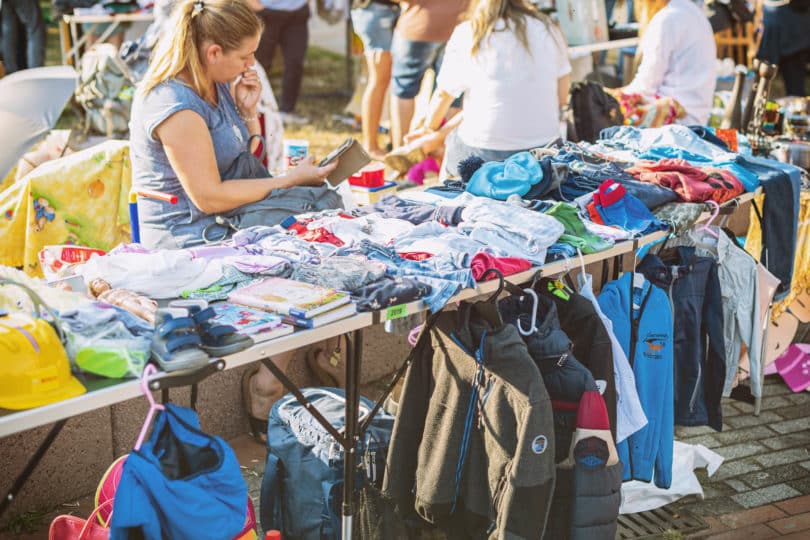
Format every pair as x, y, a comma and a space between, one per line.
258, 324
288, 297
346, 310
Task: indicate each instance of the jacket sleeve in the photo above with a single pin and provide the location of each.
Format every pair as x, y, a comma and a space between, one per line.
529, 482
409, 425
666, 440
592, 346
715, 365
748, 317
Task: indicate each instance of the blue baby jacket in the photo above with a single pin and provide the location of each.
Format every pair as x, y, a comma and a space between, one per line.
648, 345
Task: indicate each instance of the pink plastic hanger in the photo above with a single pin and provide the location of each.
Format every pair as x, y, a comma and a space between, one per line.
148, 370
715, 213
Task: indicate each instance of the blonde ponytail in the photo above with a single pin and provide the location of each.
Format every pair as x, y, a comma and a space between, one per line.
194, 22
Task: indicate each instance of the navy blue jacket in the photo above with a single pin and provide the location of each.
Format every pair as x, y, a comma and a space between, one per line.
700, 367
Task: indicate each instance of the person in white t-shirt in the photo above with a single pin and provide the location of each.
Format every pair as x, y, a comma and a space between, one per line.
677, 57
511, 64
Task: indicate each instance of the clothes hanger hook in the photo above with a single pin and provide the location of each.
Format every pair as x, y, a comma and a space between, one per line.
533, 325
500, 282
149, 370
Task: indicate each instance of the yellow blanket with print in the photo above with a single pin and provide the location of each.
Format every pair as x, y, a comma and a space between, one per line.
80, 199
801, 263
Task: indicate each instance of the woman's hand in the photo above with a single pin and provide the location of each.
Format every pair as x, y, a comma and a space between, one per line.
247, 93
306, 173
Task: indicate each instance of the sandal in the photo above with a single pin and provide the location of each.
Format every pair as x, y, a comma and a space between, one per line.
403, 158
257, 426
175, 344
217, 339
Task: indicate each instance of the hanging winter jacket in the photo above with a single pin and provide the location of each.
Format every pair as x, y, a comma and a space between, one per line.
645, 334
473, 448
564, 376
700, 365
592, 347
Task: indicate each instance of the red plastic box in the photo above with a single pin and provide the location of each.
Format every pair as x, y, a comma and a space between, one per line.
372, 175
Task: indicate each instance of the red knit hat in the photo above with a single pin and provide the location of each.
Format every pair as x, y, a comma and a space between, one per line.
592, 412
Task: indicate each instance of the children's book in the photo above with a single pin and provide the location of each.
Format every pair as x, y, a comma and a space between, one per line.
346, 310
259, 325
288, 297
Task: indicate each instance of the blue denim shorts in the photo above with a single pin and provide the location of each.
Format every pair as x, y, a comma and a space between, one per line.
375, 25
411, 59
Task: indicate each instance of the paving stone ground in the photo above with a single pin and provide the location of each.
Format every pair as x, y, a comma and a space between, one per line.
762, 490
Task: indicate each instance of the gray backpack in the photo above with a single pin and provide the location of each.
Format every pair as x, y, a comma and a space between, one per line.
104, 91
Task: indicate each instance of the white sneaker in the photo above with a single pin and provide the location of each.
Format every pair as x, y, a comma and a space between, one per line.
293, 119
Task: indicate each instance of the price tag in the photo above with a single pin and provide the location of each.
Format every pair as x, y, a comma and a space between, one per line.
396, 312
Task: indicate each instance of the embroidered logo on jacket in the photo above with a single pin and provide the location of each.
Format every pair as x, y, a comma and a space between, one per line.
539, 444
654, 345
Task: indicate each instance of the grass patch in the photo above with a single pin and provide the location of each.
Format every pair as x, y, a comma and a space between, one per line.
321, 99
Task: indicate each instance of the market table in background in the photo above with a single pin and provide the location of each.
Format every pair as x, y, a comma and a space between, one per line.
71, 43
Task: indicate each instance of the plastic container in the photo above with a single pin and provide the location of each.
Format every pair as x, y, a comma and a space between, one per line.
294, 151
370, 176
366, 195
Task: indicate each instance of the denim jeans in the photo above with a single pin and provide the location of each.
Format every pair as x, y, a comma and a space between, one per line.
693, 286
780, 216
28, 15
375, 25
411, 59
444, 281
584, 177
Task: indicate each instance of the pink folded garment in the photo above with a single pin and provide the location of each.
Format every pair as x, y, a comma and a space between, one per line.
794, 366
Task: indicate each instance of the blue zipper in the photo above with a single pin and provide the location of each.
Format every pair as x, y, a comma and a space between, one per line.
470, 418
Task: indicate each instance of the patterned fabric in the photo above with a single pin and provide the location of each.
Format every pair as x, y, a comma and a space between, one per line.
80, 199
642, 112
679, 216
230, 280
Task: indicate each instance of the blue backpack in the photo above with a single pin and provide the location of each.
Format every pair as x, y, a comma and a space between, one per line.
302, 488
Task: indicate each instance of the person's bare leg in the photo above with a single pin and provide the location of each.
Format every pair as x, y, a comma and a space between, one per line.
328, 361
402, 110
116, 40
379, 76
265, 388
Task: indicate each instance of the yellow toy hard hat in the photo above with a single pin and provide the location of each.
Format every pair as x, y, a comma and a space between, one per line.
34, 367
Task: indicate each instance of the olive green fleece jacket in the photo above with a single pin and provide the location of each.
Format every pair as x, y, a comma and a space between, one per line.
508, 476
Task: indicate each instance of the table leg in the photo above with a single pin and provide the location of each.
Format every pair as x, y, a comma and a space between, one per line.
108, 32
65, 42
31, 465
353, 358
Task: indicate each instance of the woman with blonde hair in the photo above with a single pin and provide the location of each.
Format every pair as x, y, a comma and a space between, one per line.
511, 64
193, 119
678, 54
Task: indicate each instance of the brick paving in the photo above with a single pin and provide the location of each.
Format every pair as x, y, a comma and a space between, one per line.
762, 490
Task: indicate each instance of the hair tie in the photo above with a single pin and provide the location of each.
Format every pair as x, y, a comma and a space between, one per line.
198, 7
